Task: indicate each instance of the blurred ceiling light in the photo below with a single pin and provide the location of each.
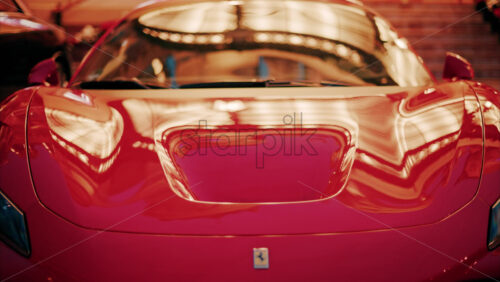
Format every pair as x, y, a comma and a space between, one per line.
280, 38
322, 20
175, 37
207, 17
262, 37
328, 46
163, 36
188, 38
356, 58
219, 38
342, 50
201, 39
295, 39
154, 33
311, 42
157, 66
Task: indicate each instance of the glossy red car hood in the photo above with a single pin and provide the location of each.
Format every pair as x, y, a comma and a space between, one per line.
295, 160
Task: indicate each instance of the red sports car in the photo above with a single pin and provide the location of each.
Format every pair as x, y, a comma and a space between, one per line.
251, 140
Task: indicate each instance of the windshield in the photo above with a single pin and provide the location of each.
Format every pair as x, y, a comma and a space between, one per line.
241, 41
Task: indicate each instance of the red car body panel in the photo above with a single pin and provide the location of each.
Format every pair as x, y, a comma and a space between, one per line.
94, 181
68, 252
131, 185
427, 251
441, 248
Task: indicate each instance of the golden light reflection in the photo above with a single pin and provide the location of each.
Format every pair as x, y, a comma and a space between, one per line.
418, 167
208, 17
389, 146
344, 31
96, 138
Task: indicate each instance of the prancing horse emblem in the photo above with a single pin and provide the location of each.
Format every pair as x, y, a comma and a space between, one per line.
260, 258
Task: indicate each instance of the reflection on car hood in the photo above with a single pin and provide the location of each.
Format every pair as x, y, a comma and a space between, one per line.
225, 161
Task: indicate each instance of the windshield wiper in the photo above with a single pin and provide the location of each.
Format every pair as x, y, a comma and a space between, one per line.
225, 84
137, 84
249, 84
117, 84
333, 83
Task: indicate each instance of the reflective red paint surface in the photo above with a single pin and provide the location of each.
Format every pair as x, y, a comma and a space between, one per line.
273, 160
106, 157
135, 180
183, 184
99, 161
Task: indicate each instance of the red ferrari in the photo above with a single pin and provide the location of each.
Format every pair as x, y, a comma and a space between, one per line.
251, 141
